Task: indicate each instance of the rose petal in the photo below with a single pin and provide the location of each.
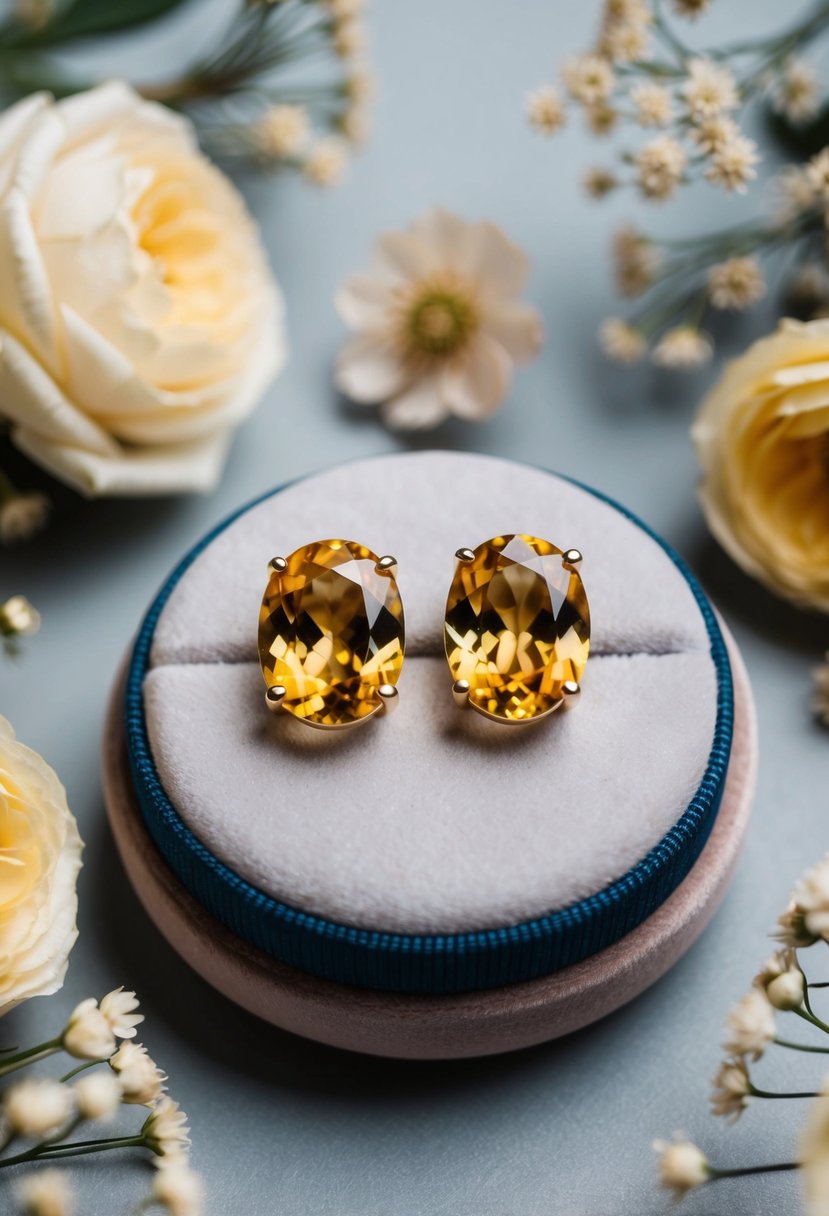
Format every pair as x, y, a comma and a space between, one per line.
476, 387
369, 372
26, 305
418, 408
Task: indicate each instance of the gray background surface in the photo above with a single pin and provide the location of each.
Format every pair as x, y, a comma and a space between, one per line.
279, 1124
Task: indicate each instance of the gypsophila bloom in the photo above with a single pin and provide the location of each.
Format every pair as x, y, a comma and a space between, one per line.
653, 104
589, 79
601, 118
45, 1192
737, 283
97, 1095
179, 1189
355, 124
820, 700
714, 133
18, 618
326, 161
791, 929
282, 131
682, 1166
599, 182
683, 348
166, 1132
88, 1034
636, 262
660, 165
795, 193
37, 1106
811, 899
750, 1026
732, 164
118, 1007
22, 516
817, 174
621, 341
731, 1088
710, 89
140, 1078
797, 95
360, 85
545, 110
440, 326
349, 41
782, 981
624, 41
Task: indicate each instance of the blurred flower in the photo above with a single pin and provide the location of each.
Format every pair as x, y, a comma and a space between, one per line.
37, 1106
682, 348
660, 165
97, 1095
797, 95
653, 103
166, 1132
750, 1026
589, 79
46, 1192
283, 131
709, 90
601, 118
545, 110
811, 899
179, 1189
636, 262
761, 439
140, 1078
820, 700
440, 326
599, 182
39, 863
682, 1166
736, 283
813, 1154
140, 320
791, 929
621, 341
21, 515
731, 1087
732, 164
326, 161
18, 618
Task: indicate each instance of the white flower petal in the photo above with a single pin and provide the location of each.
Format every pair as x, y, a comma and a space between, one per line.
368, 371
517, 327
500, 266
364, 300
403, 255
419, 408
26, 305
477, 386
80, 199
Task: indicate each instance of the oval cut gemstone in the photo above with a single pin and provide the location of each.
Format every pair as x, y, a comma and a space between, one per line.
331, 632
517, 627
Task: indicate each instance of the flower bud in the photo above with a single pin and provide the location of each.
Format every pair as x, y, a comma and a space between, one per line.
786, 991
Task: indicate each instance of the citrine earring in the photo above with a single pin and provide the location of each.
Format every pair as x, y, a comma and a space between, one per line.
331, 634
517, 628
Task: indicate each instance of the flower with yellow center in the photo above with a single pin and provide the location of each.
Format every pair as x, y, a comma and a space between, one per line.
440, 328
39, 861
762, 437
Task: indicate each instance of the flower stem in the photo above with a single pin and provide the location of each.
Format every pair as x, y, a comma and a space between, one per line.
13, 1063
801, 1047
80, 1148
73, 1072
764, 1093
745, 1170
810, 1017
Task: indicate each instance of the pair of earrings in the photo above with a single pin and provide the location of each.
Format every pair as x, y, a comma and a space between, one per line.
331, 631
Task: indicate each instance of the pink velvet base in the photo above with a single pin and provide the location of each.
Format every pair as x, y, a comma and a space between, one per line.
440, 1027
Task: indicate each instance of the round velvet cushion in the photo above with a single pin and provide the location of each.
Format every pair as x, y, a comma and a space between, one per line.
434, 851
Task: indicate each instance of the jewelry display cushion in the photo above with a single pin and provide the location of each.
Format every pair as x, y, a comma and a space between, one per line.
432, 884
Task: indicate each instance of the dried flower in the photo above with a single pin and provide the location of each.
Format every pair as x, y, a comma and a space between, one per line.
37, 1106
599, 182
782, 981
709, 90
791, 930
166, 1132
18, 618
660, 165
179, 1189
283, 131
653, 103
797, 95
21, 516
732, 164
731, 1088
118, 1007
140, 1078
736, 283
750, 1026
811, 899
714, 133
625, 41
545, 110
440, 327
601, 118
621, 341
820, 700
683, 348
45, 1192
97, 1095
682, 1166
88, 1034
589, 79
636, 262
326, 161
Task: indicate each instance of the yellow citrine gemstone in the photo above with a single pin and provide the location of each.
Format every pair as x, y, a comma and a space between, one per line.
517, 626
331, 632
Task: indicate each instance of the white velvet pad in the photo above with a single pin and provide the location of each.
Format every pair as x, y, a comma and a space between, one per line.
435, 819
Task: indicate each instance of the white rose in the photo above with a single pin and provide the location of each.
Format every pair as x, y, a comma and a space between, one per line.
139, 322
39, 865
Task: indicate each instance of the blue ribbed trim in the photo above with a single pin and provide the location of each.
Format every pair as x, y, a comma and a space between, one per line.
427, 963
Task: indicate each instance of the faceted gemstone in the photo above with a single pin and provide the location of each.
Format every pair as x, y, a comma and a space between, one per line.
517, 627
331, 633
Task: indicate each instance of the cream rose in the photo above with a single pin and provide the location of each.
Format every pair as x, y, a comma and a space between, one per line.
139, 322
762, 438
40, 856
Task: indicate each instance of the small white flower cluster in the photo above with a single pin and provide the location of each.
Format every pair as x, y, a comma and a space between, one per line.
18, 619
47, 1111
750, 1029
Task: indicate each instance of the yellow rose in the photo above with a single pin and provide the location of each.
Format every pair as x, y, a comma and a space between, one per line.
762, 438
40, 856
139, 322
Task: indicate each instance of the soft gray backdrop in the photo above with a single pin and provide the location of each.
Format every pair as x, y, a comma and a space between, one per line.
279, 1124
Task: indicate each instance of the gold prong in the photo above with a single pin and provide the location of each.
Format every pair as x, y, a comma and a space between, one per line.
387, 565
275, 696
460, 691
464, 555
572, 558
570, 691
389, 697
278, 565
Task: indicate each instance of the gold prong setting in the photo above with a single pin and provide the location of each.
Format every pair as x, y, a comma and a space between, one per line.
460, 691
465, 556
277, 565
387, 565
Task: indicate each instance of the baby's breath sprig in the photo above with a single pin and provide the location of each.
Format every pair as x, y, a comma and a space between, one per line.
684, 108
